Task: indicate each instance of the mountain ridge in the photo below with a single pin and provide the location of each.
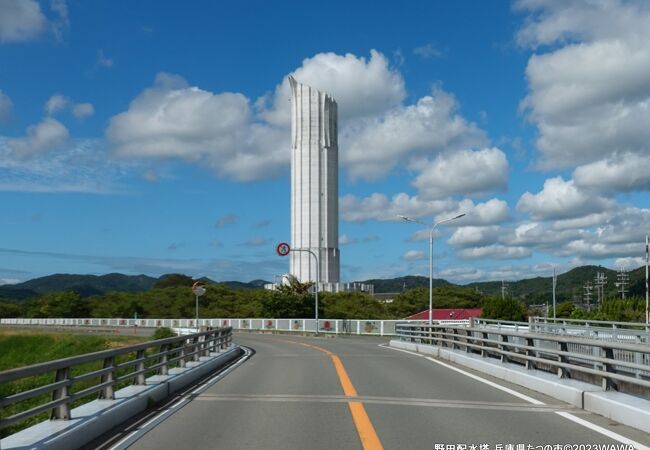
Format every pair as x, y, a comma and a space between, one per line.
570, 285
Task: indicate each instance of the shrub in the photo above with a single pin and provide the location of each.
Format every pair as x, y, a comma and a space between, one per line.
162, 333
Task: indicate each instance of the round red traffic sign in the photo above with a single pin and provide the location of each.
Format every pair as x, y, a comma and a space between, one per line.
283, 249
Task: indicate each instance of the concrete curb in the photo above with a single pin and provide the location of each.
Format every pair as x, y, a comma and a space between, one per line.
623, 408
95, 418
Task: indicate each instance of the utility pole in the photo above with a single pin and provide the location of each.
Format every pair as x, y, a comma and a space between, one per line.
647, 284
588, 291
504, 287
623, 280
554, 286
600, 281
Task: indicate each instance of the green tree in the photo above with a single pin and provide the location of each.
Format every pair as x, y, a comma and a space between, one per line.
59, 304
8, 309
352, 305
173, 280
564, 309
503, 309
295, 286
277, 304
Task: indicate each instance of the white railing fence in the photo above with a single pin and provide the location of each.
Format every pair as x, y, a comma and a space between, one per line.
334, 326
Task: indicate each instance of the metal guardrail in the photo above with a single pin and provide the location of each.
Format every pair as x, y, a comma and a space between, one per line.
334, 326
593, 329
598, 358
134, 360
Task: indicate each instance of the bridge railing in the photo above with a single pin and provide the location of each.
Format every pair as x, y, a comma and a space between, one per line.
334, 326
98, 374
609, 363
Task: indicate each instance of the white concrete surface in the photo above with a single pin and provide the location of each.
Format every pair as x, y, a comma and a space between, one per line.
623, 408
92, 419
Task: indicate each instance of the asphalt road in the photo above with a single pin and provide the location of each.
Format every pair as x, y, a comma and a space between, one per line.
293, 394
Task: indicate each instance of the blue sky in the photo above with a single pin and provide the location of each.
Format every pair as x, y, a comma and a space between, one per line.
152, 137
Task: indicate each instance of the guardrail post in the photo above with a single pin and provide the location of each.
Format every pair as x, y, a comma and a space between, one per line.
195, 347
61, 412
638, 357
223, 339
484, 352
139, 378
108, 392
561, 371
183, 356
530, 365
504, 339
608, 383
164, 369
454, 337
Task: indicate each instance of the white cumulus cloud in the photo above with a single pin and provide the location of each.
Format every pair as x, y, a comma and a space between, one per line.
83, 110
405, 134
619, 173
20, 20
413, 255
464, 172
174, 120
475, 236
361, 86
561, 199
56, 103
491, 212
379, 207
495, 251
589, 93
42, 137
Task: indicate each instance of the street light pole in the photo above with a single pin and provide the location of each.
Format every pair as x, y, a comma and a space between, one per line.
431, 230
198, 292
317, 277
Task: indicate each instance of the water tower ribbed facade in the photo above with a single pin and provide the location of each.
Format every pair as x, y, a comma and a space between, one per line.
314, 184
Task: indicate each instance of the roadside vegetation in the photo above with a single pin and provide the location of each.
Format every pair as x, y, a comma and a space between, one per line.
171, 297
24, 347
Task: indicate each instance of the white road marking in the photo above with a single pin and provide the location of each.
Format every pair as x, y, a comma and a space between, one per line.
400, 350
532, 400
128, 436
601, 430
566, 415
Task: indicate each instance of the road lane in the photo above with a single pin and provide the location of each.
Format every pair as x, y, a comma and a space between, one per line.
289, 396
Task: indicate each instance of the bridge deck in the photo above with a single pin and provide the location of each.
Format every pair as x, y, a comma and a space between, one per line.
290, 396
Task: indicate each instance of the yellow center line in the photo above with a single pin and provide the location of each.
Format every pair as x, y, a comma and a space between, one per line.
365, 429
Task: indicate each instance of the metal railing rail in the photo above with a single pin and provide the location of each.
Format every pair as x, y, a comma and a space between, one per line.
535, 350
334, 326
593, 329
173, 351
591, 323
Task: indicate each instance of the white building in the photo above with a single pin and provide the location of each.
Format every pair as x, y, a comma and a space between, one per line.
315, 189
314, 184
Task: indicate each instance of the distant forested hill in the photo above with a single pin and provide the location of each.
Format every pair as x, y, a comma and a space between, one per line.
570, 285
532, 290
84, 285
403, 283
89, 285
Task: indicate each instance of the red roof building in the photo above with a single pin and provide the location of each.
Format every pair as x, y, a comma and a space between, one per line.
447, 314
